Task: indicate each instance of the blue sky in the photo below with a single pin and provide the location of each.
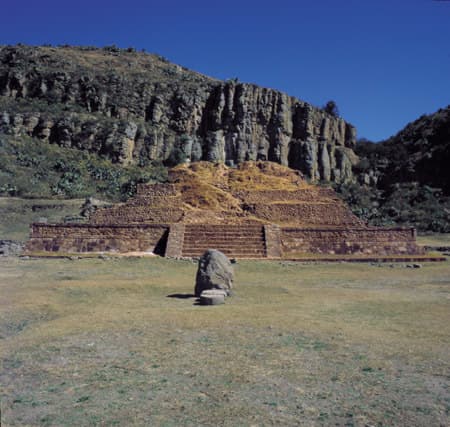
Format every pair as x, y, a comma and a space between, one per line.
384, 62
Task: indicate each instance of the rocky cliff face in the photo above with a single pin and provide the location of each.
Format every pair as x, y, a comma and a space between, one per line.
135, 107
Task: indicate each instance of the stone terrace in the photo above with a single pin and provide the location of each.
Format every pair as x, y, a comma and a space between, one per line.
258, 210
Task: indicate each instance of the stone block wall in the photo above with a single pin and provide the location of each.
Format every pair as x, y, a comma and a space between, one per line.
126, 214
153, 203
302, 195
306, 214
98, 238
272, 235
244, 241
174, 248
158, 190
355, 241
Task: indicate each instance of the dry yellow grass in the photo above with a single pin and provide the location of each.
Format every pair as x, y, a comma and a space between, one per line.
248, 176
437, 239
253, 176
209, 191
99, 342
101, 60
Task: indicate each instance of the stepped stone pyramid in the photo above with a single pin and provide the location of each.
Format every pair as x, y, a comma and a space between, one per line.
256, 210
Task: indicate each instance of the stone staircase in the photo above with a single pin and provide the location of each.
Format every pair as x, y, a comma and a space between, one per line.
235, 241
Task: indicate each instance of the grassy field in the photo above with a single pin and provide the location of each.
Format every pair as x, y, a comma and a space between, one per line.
121, 342
17, 214
436, 239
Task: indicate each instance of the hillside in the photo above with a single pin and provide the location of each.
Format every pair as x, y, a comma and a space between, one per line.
138, 110
85, 121
420, 153
406, 179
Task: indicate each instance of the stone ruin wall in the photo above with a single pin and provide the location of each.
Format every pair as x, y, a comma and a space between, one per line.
153, 203
305, 207
354, 241
307, 214
136, 215
156, 190
162, 203
282, 241
138, 225
144, 222
302, 195
98, 238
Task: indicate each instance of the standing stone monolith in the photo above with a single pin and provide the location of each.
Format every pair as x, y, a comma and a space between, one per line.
214, 272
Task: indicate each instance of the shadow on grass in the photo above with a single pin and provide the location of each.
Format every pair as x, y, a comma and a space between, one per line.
181, 296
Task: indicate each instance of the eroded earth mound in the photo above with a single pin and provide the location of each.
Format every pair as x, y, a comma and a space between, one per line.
259, 192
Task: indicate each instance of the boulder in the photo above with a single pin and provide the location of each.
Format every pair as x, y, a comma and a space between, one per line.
212, 297
10, 248
214, 272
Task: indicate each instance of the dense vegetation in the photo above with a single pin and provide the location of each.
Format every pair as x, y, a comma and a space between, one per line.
405, 180
420, 153
407, 204
32, 168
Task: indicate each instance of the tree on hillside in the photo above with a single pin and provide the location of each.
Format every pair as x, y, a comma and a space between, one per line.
331, 108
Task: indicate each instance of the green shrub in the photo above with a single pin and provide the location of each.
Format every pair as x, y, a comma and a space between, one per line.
33, 168
407, 204
176, 157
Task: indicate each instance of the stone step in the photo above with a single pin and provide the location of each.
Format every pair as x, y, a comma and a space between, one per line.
226, 247
223, 247
234, 232
228, 232
223, 236
231, 242
237, 235
227, 226
200, 251
225, 240
233, 229
240, 240
200, 230
229, 255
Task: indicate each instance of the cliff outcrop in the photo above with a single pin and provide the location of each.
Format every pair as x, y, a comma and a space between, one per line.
134, 107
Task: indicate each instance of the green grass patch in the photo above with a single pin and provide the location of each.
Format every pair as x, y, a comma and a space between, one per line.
314, 344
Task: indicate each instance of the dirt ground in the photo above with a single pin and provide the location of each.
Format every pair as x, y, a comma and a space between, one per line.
121, 342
